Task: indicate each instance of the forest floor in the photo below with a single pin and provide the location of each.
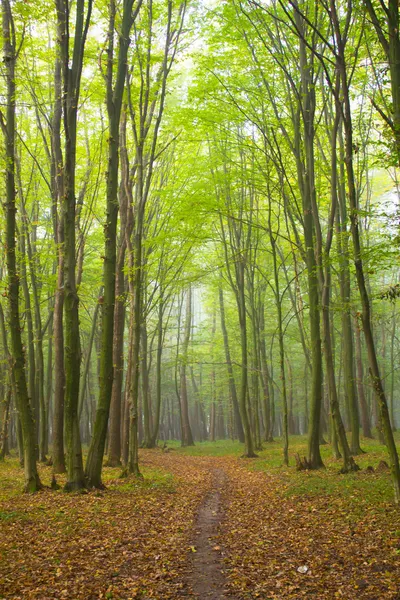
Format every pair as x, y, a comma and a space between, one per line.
205, 523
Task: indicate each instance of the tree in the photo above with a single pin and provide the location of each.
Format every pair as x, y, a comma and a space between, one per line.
71, 74
114, 106
10, 51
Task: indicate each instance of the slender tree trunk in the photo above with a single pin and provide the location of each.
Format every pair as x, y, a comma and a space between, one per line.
31, 343
187, 436
38, 360
58, 219
365, 302
348, 461
117, 408
265, 380
241, 302
307, 184
160, 339
8, 389
127, 397
347, 330
278, 303
86, 366
365, 420
49, 380
136, 316
5, 421
255, 390
231, 377
114, 445
147, 415
202, 425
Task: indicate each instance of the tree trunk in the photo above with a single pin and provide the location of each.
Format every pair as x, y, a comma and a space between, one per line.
72, 70
114, 443
231, 377
241, 303
160, 339
31, 343
32, 481
306, 178
365, 302
187, 437
365, 420
347, 330
278, 304
114, 105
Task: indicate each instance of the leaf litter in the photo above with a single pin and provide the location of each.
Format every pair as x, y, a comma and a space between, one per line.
135, 540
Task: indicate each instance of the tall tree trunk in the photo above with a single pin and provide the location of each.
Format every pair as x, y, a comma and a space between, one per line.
5, 421
86, 366
114, 444
8, 389
31, 340
135, 254
244, 413
354, 219
347, 330
160, 339
202, 425
231, 377
32, 481
187, 437
72, 71
125, 429
278, 304
147, 414
307, 185
348, 461
39, 394
265, 380
117, 423
49, 379
314, 454
114, 105
255, 390
365, 420
58, 220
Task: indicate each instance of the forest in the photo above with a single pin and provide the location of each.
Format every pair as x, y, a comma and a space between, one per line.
199, 299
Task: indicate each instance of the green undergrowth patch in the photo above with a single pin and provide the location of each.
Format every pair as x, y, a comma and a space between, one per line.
11, 516
358, 488
152, 479
217, 448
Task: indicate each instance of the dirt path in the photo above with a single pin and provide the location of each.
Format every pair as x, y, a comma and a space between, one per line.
207, 579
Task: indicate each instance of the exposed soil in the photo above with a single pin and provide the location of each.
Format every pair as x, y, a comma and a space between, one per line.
207, 579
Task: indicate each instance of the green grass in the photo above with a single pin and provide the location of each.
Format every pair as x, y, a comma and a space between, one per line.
12, 516
218, 448
153, 479
12, 479
375, 488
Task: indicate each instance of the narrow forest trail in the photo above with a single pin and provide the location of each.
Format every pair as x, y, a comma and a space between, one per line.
207, 579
